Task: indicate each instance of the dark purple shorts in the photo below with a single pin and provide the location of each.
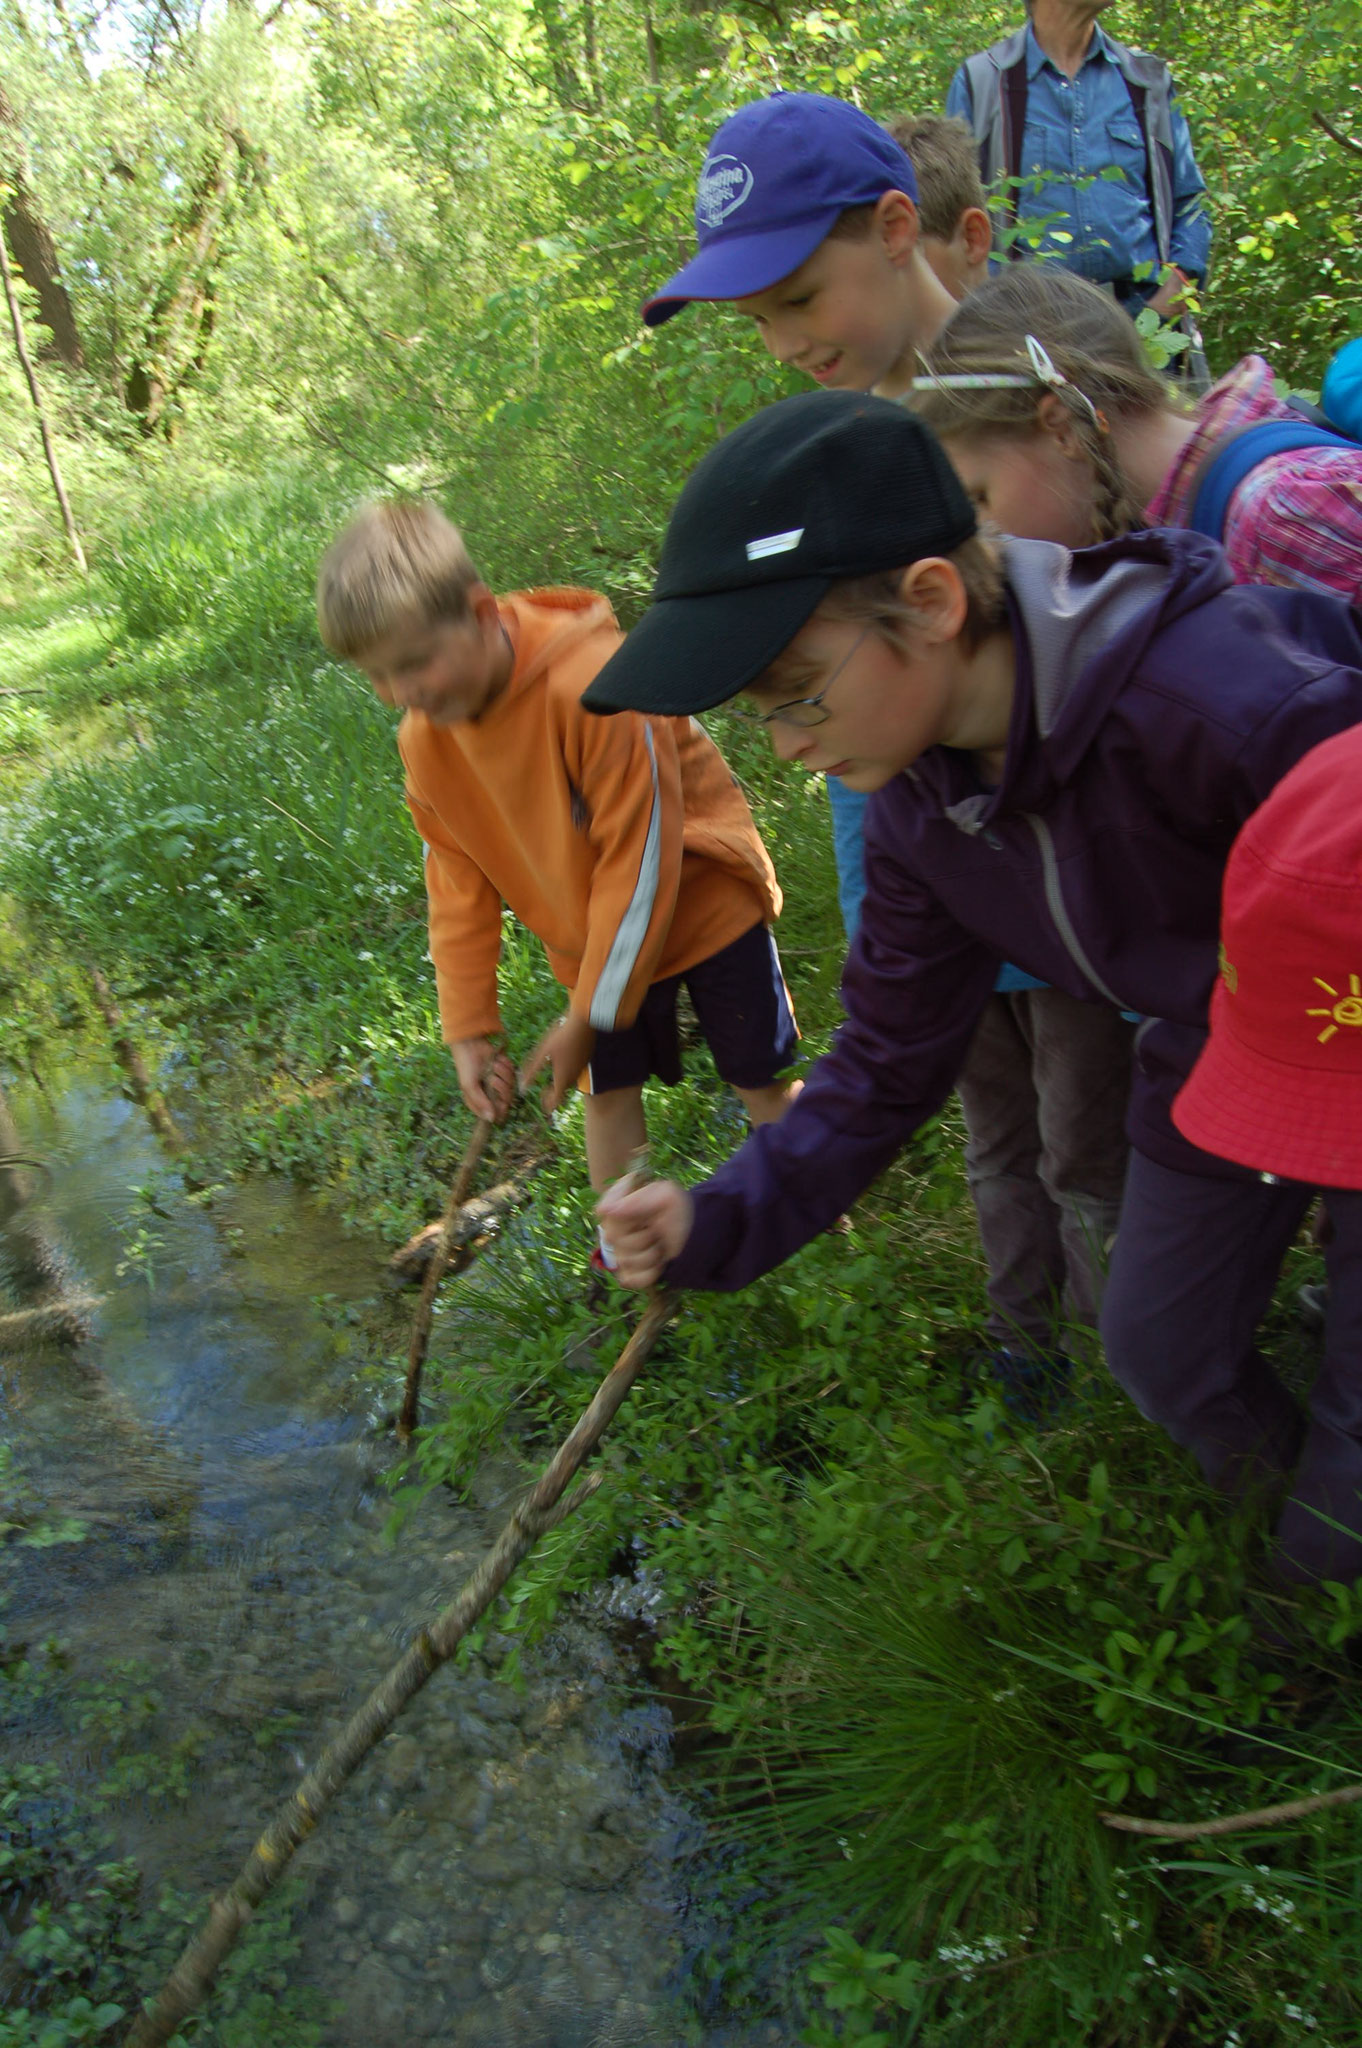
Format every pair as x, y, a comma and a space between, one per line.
743, 1008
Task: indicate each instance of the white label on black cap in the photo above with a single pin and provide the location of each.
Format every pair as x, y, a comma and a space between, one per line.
774, 544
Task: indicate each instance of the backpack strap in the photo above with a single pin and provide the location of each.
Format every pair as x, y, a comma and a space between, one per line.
1225, 465
1149, 83
1014, 131
1139, 100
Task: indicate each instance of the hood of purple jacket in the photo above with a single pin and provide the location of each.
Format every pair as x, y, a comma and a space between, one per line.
1157, 703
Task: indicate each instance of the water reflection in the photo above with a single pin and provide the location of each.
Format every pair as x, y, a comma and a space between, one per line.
508, 1869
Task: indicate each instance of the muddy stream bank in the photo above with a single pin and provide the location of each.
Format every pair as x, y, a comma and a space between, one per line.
511, 1868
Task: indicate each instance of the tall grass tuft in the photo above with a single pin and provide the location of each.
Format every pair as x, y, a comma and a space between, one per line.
971, 1645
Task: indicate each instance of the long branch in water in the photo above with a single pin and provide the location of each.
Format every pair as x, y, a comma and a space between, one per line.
134, 1066
543, 1507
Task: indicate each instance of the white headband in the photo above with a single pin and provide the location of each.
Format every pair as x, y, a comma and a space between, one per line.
1042, 372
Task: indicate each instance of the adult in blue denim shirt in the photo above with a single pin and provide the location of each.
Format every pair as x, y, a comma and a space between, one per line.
1080, 120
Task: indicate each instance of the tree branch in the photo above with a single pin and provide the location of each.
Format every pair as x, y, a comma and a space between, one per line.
1232, 1823
1336, 134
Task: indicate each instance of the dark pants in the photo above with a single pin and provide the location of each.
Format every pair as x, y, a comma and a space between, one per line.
1192, 1275
1044, 1094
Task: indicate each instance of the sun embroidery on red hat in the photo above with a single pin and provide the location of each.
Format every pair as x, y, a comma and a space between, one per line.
1346, 1009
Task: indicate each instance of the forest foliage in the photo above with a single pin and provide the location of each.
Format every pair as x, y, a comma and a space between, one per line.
404, 244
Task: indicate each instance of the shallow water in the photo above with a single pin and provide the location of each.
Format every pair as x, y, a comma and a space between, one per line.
510, 1869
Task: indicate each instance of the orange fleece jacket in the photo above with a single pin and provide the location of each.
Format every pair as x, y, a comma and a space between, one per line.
623, 843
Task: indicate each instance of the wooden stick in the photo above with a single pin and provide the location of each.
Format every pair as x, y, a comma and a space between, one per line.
478, 1217
540, 1510
135, 1067
1232, 1823
66, 1320
37, 1268
435, 1273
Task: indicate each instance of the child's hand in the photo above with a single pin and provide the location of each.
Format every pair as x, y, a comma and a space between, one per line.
645, 1228
486, 1077
567, 1046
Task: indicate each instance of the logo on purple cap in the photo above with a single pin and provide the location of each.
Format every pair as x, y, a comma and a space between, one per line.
724, 184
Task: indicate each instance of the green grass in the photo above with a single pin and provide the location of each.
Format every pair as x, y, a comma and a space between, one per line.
932, 1648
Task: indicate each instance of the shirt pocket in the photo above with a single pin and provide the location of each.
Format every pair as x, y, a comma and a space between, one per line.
1124, 147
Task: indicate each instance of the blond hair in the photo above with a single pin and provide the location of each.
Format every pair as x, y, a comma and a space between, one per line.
945, 157
398, 563
1089, 340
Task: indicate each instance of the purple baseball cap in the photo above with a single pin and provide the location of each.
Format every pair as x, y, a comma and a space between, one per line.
779, 174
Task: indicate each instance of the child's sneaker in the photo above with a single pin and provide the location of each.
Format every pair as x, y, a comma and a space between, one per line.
1034, 1385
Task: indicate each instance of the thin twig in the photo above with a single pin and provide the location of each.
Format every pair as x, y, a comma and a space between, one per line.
1336, 134
1232, 1823
541, 1509
435, 1272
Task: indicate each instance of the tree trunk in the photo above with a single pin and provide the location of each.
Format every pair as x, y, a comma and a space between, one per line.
32, 247
591, 52
566, 81
49, 449
180, 322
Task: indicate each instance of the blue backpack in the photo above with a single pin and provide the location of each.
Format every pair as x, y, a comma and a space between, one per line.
1236, 456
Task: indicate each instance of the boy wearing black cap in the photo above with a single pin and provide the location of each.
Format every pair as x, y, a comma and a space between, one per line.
1060, 755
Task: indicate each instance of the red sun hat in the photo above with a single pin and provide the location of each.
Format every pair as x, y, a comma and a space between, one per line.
1279, 1084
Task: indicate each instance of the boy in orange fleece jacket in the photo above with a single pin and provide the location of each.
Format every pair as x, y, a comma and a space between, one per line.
624, 844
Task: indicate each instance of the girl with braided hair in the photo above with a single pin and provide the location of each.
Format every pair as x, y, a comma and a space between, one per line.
1062, 431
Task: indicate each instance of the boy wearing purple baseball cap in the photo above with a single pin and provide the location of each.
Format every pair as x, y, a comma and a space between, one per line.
807, 219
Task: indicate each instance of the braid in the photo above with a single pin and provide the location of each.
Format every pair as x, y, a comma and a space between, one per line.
1089, 339
1114, 509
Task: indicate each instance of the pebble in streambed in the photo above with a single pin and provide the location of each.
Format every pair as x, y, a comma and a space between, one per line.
510, 1868
506, 1870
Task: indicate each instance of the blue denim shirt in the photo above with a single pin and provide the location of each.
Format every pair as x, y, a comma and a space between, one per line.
1074, 130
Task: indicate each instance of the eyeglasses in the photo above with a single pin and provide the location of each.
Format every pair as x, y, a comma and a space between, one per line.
803, 711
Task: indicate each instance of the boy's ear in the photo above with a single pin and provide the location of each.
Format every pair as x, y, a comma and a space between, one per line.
935, 590
975, 230
898, 224
482, 606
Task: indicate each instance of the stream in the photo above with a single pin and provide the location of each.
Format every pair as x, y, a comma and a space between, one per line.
510, 1868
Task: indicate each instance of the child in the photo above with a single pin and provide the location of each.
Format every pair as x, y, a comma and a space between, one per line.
1061, 749
807, 219
806, 215
1044, 1090
1084, 440
957, 234
629, 851
1279, 1088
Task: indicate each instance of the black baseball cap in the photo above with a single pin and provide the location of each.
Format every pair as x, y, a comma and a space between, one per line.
821, 487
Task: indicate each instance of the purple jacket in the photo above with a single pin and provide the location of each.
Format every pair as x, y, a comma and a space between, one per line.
1157, 704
